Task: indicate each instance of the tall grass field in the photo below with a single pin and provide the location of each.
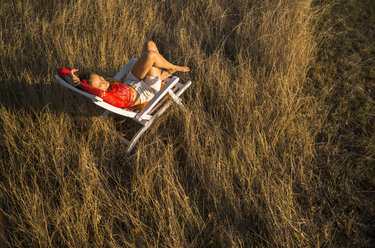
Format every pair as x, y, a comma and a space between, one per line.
276, 147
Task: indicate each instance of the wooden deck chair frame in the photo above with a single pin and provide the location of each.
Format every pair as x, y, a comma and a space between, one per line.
154, 108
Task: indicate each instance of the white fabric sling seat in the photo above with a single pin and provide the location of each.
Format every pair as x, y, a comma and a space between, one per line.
153, 109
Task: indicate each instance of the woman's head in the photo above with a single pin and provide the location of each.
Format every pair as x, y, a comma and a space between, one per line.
95, 81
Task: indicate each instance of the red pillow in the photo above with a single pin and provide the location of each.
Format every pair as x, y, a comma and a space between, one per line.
62, 72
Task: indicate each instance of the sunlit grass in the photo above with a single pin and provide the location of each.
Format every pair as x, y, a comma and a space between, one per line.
276, 148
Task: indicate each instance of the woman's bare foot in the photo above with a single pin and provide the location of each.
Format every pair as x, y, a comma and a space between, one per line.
167, 73
184, 68
178, 68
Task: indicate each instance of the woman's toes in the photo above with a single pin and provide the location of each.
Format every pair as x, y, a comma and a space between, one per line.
183, 69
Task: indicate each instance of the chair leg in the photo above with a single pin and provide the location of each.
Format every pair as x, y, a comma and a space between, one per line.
176, 99
146, 126
147, 123
136, 137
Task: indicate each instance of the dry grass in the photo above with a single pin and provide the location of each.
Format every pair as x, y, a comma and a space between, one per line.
276, 149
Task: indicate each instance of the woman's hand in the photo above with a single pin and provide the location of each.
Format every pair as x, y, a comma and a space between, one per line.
73, 79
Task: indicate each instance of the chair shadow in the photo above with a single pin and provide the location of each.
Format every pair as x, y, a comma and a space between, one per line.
22, 96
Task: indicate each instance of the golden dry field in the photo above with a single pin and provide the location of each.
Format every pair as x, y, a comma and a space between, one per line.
276, 148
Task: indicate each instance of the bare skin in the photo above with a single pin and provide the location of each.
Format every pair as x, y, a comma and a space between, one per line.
151, 63
73, 79
99, 82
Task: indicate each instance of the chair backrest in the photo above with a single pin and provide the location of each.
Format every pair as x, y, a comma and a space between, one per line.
158, 96
99, 101
69, 86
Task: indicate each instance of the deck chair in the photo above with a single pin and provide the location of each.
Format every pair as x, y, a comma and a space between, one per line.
148, 114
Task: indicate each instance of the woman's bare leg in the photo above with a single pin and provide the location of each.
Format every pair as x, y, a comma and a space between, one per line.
161, 74
149, 46
154, 71
152, 58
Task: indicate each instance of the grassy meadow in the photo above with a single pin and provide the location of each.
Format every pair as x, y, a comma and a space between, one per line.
276, 148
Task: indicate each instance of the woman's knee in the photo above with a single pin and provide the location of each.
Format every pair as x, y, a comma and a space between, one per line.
150, 46
149, 55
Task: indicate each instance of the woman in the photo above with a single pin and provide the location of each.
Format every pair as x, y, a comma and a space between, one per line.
140, 85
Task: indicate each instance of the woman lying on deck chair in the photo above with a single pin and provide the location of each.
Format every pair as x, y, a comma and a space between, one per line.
140, 85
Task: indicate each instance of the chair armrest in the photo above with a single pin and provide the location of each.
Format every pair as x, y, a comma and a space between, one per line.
158, 96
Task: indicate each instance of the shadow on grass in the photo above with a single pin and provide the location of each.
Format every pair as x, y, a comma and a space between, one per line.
22, 96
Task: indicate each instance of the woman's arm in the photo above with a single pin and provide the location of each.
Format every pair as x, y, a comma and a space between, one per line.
72, 78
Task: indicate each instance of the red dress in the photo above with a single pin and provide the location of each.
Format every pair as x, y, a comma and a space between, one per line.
118, 94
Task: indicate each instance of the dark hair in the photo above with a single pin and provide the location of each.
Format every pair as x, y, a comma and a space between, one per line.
86, 76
